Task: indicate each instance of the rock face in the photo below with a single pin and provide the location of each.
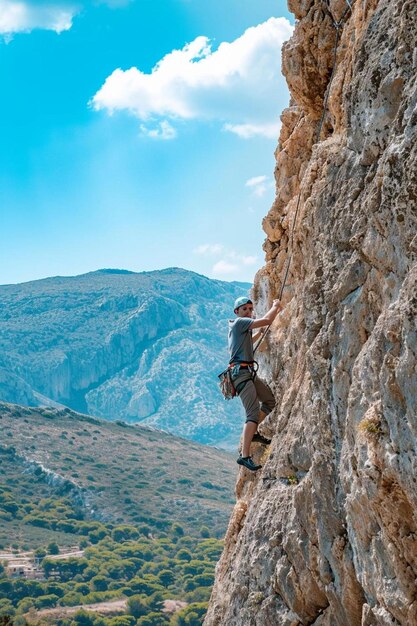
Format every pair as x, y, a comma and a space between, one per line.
326, 532
120, 345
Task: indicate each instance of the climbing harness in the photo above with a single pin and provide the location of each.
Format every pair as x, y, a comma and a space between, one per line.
227, 386
337, 25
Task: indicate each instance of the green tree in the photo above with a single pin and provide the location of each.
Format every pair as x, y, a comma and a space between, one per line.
24, 605
27, 588
191, 615
153, 619
48, 566
184, 555
177, 529
46, 601
141, 586
96, 535
137, 606
82, 588
166, 577
124, 533
156, 601
6, 608
99, 583
200, 594
53, 548
40, 553
6, 587
122, 620
72, 598
205, 579
84, 618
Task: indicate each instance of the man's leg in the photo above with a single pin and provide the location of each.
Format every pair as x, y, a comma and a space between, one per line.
248, 432
265, 396
250, 401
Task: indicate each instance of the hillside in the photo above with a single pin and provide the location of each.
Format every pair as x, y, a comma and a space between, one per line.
325, 534
121, 345
58, 466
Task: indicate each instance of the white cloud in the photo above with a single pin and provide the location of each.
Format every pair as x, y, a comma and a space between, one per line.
163, 130
237, 84
259, 185
23, 17
232, 262
247, 131
255, 181
208, 249
224, 267
249, 260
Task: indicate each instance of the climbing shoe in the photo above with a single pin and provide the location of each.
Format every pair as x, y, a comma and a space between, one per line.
247, 462
259, 439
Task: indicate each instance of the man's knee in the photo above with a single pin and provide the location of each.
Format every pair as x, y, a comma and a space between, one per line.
270, 402
268, 405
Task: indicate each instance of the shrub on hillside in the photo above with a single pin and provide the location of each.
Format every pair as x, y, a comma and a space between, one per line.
137, 606
53, 548
122, 620
72, 598
99, 583
166, 577
43, 602
153, 619
191, 615
124, 533
6, 608
85, 618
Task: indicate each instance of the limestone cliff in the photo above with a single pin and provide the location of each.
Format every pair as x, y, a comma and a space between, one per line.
326, 532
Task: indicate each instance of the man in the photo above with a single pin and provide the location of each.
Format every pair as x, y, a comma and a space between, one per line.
251, 389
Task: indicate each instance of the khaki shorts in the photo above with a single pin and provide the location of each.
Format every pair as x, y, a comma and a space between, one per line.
255, 395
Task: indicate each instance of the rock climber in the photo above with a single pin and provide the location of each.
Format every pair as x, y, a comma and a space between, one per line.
252, 390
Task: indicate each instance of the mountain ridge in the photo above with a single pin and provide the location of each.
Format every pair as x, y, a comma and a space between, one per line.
123, 345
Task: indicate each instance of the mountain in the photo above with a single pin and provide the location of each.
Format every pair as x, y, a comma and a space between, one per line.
58, 466
123, 346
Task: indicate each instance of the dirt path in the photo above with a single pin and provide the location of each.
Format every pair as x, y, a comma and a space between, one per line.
103, 608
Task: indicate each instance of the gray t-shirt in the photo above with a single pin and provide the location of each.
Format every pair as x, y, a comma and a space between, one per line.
240, 340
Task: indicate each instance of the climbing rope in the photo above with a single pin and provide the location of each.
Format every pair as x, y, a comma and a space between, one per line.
337, 25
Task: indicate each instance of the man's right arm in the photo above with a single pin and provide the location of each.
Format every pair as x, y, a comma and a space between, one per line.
269, 317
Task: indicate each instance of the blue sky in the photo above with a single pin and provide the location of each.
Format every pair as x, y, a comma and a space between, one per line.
138, 134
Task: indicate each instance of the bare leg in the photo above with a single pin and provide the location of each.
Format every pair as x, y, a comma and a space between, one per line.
248, 432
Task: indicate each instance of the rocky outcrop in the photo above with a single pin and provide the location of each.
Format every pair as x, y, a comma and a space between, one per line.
326, 532
122, 345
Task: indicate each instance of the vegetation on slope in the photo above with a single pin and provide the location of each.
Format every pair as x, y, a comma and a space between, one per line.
146, 510
127, 563
111, 472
